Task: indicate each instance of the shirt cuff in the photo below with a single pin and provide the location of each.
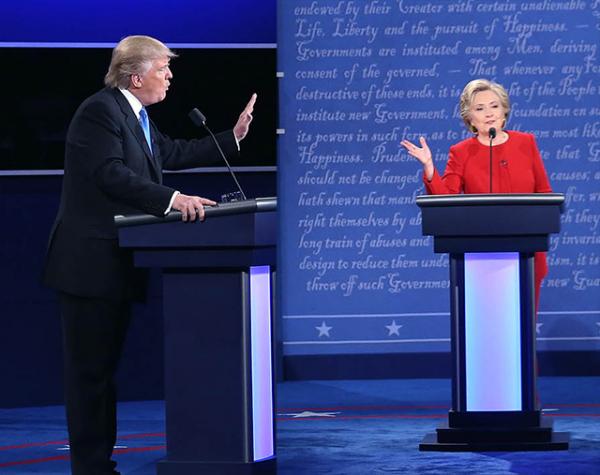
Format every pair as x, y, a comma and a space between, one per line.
168, 210
237, 142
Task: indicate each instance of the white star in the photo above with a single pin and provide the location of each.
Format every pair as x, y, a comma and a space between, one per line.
537, 327
296, 415
323, 330
393, 328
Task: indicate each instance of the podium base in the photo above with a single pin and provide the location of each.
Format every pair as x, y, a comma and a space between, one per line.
262, 467
559, 441
504, 431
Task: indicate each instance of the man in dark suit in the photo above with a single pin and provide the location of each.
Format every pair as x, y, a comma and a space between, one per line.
113, 165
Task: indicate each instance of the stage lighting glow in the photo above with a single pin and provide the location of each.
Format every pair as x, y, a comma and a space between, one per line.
492, 332
262, 384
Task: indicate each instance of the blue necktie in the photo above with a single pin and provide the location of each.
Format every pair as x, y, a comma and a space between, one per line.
145, 127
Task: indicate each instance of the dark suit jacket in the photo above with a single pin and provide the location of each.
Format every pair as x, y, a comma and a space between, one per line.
109, 170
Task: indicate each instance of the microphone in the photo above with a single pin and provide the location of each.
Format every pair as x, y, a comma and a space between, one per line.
492, 133
199, 120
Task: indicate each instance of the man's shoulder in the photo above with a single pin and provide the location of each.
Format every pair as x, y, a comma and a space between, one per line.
103, 96
103, 101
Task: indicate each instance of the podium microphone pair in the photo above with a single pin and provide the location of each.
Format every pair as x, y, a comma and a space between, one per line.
199, 120
492, 133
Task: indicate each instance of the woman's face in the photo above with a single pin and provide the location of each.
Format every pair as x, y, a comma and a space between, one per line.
486, 111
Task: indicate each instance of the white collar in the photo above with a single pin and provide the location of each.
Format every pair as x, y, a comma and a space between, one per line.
134, 102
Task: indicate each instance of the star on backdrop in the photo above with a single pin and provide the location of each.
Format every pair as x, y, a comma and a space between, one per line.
323, 330
393, 328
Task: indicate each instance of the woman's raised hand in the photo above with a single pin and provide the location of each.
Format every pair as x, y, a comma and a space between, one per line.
422, 153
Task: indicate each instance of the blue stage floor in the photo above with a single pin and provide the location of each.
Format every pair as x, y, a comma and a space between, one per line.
332, 427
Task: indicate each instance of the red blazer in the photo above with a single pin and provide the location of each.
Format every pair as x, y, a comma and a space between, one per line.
516, 168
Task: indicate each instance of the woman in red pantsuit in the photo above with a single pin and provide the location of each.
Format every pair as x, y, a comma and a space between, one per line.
516, 163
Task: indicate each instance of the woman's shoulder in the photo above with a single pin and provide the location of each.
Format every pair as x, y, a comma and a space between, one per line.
520, 136
464, 145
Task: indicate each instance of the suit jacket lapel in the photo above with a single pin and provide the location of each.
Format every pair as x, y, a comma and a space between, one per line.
136, 129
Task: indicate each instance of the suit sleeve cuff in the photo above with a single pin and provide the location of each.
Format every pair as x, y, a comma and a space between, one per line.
168, 210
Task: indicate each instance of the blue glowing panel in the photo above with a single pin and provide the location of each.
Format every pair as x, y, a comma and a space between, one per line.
177, 21
262, 383
492, 332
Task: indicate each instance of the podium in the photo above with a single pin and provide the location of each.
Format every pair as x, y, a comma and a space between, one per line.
217, 277
491, 240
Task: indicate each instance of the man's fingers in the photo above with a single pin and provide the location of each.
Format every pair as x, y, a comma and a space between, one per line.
250, 106
207, 202
190, 213
192, 207
245, 117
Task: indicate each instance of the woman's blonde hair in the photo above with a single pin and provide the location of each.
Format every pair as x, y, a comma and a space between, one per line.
480, 85
134, 55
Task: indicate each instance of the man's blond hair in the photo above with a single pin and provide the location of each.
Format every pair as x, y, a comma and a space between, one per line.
134, 55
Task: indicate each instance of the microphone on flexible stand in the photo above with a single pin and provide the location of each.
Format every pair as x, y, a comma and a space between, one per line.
199, 120
492, 133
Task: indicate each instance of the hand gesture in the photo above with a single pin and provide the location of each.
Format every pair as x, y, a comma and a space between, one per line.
191, 207
242, 126
423, 154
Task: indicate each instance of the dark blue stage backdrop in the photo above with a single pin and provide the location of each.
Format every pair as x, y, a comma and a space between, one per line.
54, 54
358, 77
177, 22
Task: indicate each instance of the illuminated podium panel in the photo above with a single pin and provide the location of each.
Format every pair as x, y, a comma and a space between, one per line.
217, 277
491, 240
